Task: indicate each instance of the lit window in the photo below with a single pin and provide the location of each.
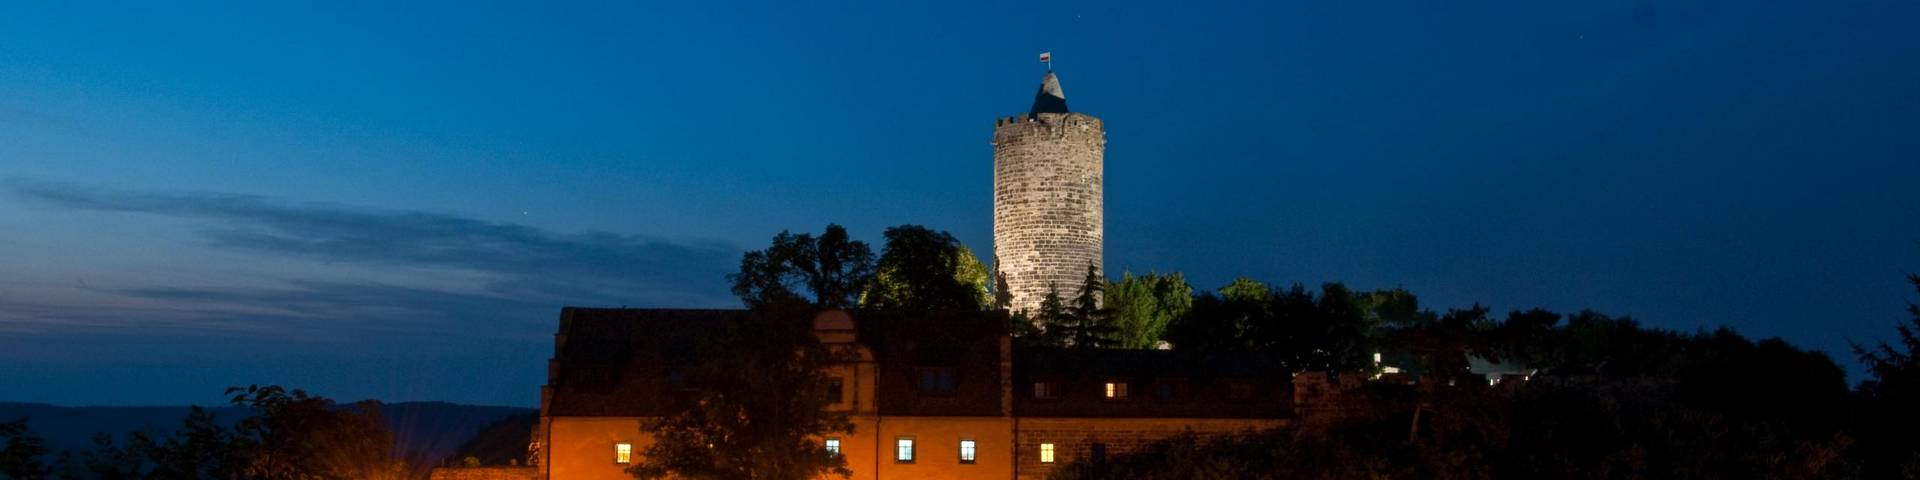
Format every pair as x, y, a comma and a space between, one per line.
836, 390
966, 451
1043, 390
623, 453
903, 450
1046, 453
1116, 390
833, 446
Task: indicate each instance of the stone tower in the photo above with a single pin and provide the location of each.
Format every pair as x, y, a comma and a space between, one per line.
1047, 206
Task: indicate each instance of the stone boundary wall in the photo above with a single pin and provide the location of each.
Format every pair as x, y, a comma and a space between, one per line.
1320, 399
485, 473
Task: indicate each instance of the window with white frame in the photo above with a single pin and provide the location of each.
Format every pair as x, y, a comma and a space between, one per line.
967, 448
623, 453
833, 446
903, 450
1046, 453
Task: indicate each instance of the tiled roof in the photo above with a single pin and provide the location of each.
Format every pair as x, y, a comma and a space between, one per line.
965, 344
1050, 98
615, 362
619, 362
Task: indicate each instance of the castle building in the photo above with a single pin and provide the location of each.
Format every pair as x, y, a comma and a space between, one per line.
931, 395
1047, 206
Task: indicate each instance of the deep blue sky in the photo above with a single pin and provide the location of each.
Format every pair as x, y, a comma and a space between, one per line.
393, 201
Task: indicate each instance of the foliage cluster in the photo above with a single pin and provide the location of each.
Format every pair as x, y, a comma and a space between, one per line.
1547, 430
757, 405
291, 435
919, 269
1609, 399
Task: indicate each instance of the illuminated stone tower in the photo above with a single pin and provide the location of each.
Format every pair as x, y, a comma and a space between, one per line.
1047, 207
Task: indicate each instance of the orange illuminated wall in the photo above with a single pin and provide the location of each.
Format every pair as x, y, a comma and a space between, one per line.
584, 448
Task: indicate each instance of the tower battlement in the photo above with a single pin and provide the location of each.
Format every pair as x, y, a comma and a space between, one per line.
1049, 119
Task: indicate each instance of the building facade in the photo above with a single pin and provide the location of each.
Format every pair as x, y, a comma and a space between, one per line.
931, 395
1048, 211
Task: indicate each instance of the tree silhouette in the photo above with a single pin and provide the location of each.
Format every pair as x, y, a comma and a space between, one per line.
21, 452
1089, 325
1332, 330
833, 268
924, 269
1002, 293
300, 436
759, 406
292, 435
1054, 322
1887, 423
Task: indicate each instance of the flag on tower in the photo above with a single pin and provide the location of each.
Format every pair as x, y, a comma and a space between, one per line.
1046, 57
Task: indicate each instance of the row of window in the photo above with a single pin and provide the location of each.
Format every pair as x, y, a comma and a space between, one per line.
940, 381
903, 450
1237, 390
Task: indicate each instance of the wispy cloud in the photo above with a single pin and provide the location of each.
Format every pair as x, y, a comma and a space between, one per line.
526, 268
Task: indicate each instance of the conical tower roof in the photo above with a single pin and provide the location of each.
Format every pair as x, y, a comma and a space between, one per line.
1050, 99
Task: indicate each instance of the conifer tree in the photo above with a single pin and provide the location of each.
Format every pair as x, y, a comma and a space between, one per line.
1002, 293
1090, 326
1055, 323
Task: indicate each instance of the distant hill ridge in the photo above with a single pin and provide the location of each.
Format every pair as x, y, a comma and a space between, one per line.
424, 432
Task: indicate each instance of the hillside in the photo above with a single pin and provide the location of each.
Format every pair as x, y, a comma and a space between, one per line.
424, 432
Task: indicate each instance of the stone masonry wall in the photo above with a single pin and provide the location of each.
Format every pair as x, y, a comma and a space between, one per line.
485, 473
1048, 212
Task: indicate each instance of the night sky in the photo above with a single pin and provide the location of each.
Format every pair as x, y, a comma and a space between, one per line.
393, 202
